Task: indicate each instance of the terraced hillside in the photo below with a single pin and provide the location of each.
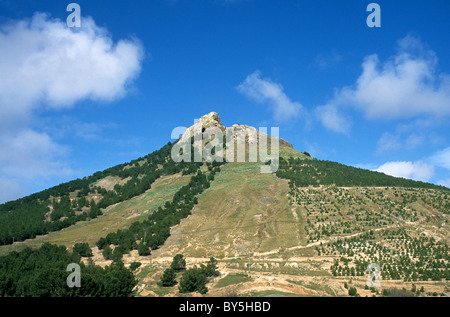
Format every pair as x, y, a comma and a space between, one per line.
313, 240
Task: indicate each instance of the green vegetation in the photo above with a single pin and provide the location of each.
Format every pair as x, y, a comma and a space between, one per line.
395, 292
231, 279
179, 263
143, 249
66, 204
337, 211
193, 280
353, 217
399, 255
155, 230
42, 272
135, 265
303, 173
168, 278
352, 291
82, 249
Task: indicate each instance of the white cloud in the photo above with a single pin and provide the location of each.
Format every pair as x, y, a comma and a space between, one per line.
47, 62
44, 65
388, 142
419, 170
28, 157
332, 119
29, 154
407, 85
392, 142
264, 90
442, 158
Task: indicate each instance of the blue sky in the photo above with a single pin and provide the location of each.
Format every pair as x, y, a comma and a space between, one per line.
75, 101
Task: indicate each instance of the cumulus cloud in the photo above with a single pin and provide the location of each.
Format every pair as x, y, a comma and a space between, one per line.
333, 119
44, 61
407, 85
264, 90
419, 170
45, 65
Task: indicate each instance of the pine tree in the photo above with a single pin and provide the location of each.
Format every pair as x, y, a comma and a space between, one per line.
168, 278
193, 280
178, 263
143, 249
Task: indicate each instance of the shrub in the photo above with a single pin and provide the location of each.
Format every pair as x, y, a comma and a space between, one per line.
193, 280
143, 250
82, 249
178, 263
135, 265
352, 291
168, 278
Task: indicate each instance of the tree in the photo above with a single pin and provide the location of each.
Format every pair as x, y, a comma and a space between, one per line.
211, 268
143, 249
352, 291
42, 272
82, 249
193, 280
135, 265
119, 281
101, 243
117, 254
107, 252
168, 278
178, 263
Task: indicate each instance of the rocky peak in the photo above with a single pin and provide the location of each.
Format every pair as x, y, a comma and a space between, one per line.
212, 119
209, 120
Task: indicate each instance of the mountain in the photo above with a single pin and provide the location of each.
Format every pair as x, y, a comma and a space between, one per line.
307, 227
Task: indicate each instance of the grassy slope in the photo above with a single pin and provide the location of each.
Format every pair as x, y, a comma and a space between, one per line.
115, 217
243, 211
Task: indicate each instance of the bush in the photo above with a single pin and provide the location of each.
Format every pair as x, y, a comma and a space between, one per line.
395, 292
135, 265
143, 250
82, 249
178, 263
211, 268
117, 254
168, 278
101, 243
107, 252
352, 291
193, 280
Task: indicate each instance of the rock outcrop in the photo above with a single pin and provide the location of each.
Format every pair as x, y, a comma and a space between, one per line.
241, 133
